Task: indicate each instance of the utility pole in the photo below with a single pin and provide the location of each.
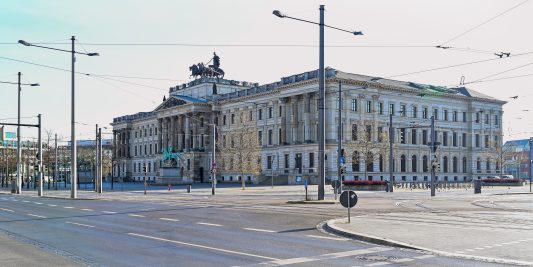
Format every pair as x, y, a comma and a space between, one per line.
95, 181
214, 162
391, 159
19, 151
55, 163
73, 152
40, 159
144, 178
321, 111
433, 155
100, 161
530, 161
339, 144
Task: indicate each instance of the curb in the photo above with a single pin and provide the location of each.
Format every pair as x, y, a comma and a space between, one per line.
316, 202
389, 242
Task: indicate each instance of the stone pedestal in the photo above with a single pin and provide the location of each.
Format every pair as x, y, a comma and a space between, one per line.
171, 175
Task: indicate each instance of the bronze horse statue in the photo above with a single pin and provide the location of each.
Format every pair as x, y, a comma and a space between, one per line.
202, 71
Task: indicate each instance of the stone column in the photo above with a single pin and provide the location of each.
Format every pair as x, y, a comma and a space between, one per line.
114, 144
159, 135
187, 132
180, 132
307, 119
172, 132
127, 143
294, 119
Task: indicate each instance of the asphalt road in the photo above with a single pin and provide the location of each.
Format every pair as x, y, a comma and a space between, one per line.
195, 231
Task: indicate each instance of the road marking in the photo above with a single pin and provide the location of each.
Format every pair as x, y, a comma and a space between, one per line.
479, 248
7, 210
498, 245
424, 257
487, 246
328, 237
109, 212
259, 230
324, 257
209, 224
68, 207
460, 252
169, 219
38, 216
26, 201
52, 205
136, 215
379, 263
204, 247
80, 224
87, 209
38, 203
402, 260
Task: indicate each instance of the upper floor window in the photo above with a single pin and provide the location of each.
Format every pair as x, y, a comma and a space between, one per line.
260, 114
454, 116
380, 108
425, 113
496, 120
436, 113
446, 115
354, 104
403, 112
415, 112
270, 112
391, 109
368, 106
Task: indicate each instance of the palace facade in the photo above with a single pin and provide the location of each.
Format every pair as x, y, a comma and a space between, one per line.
283, 116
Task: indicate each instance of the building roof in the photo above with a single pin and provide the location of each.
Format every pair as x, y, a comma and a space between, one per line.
522, 144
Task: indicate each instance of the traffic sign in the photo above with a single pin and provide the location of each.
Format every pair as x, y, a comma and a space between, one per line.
344, 199
335, 184
341, 160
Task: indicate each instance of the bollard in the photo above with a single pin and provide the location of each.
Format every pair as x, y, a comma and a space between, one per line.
188, 188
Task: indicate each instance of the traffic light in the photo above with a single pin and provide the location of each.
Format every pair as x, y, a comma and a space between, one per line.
342, 169
144, 167
36, 168
436, 166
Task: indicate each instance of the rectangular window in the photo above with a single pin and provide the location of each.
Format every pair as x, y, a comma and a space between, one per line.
368, 106
487, 142
280, 109
445, 138
224, 120
496, 120
150, 149
354, 132
477, 117
260, 137
391, 109
368, 133
464, 139
446, 115
270, 137
269, 162
188, 164
270, 112
403, 112
464, 116
311, 160
496, 141
454, 139
380, 108
286, 161
260, 114
250, 115
415, 112
436, 113
279, 137
232, 118
454, 116
354, 104
477, 140
486, 118
413, 136
424, 137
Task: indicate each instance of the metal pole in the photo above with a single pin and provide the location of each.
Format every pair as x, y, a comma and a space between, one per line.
100, 161
431, 155
391, 159
19, 152
95, 179
55, 167
73, 152
339, 143
530, 161
213, 163
144, 178
321, 114
40, 160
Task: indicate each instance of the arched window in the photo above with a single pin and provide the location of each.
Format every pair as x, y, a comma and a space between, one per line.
380, 163
425, 163
413, 163
402, 163
478, 164
488, 164
454, 164
464, 165
369, 161
445, 164
355, 161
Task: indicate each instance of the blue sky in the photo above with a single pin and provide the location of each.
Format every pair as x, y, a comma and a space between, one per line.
384, 22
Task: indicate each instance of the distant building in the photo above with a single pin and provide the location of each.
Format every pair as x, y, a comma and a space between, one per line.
284, 116
7, 139
516, 158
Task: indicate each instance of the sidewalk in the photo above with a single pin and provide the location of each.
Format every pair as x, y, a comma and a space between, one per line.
450, 227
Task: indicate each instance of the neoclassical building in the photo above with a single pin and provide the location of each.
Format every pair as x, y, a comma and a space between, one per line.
284, 116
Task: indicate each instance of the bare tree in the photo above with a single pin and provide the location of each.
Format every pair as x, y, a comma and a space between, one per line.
240, 149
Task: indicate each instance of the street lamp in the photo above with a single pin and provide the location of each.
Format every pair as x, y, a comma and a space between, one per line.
18, 188
321, 98
73, 193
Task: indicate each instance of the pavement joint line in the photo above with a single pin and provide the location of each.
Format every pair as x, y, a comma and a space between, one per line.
80, 224
169, 219
136, 215
260, 230
209, 224
328, 237
7, 210
38, 216
323, 257
204, 247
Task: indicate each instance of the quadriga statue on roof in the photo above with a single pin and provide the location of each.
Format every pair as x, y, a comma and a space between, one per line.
213, 70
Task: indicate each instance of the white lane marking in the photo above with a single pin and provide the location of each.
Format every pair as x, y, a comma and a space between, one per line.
498, 245
204, 247
68, 207
522, 240
38, 203
209, 224
80, 224
52, 205
259, 230
328, 237
38, 216
87, 209
136, 215
14, 199
424, 257
169, 219
26, 201
7, 210
379, 263
403, 260
109, 212
469, 250
459, 252
324, 257
479, 248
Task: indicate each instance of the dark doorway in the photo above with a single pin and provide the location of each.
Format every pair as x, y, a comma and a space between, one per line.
201, 174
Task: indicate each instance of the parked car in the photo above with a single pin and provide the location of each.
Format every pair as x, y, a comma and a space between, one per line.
507, 176
493, 177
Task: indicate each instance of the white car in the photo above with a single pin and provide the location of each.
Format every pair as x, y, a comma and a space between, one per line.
507, 176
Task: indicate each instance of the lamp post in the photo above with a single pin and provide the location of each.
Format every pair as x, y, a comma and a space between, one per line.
321, 94
74, 162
